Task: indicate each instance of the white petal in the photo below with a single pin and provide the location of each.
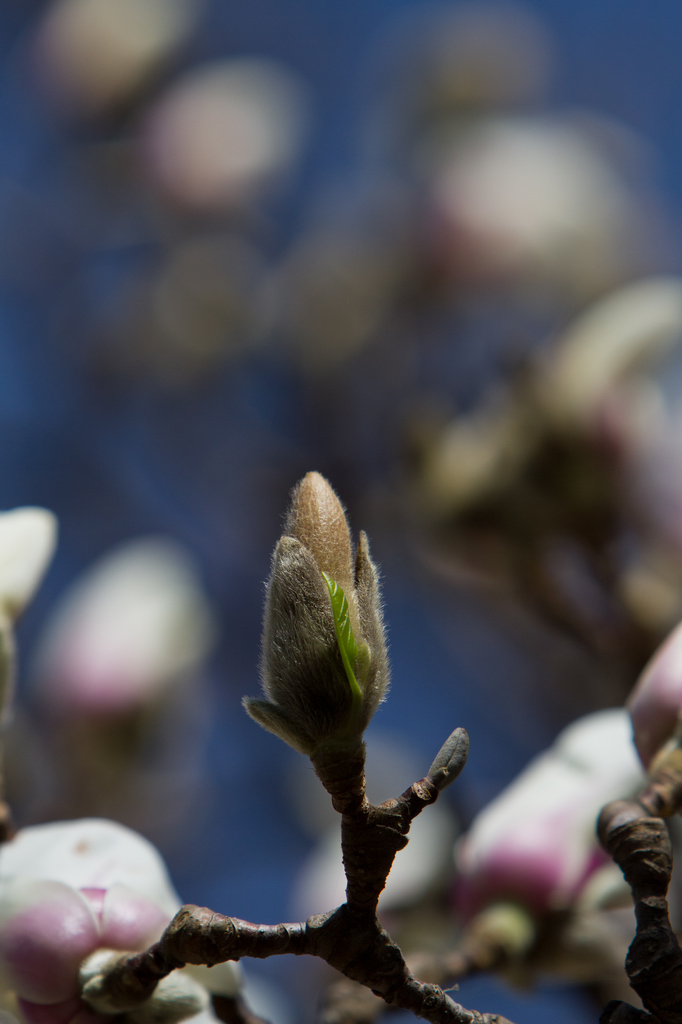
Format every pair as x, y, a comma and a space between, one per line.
601, 743
89, 853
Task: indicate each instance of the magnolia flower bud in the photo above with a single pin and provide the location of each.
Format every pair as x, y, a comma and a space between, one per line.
46, 928
535, 844
655, 703
324, 664
70, 889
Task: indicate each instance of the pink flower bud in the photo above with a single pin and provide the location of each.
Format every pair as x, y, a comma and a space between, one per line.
46, 928
91, 855
656, 701
49, 923
536, 842
67, 890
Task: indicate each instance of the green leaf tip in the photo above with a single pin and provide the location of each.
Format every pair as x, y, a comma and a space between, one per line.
345, 638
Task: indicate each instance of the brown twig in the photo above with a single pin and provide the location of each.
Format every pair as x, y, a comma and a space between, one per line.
348, 1002
350, 938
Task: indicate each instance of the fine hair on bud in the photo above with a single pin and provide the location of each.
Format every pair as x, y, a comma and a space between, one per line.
324, 665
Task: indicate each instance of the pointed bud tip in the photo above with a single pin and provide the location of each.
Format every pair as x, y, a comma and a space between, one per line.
313, 501
450, 759
314, 483
317, 519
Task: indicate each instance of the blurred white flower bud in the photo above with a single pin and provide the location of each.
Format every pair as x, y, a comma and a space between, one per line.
27, 541
136, 623
224, 132
536, 842
531, 204
475, 455
198, 308
335, 290
93, 55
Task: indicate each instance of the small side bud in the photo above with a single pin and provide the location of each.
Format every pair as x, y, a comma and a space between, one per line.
175, 998
450, 759
508, 927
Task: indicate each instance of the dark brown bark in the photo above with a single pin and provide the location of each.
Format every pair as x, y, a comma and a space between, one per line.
635, 834
348, 1002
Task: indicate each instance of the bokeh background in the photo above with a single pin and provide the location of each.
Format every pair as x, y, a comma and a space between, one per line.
242, 241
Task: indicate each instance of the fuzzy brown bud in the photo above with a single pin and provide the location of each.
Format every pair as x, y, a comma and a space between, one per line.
324, 666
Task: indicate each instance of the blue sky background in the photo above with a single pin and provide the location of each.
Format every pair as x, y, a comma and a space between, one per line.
120, 464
